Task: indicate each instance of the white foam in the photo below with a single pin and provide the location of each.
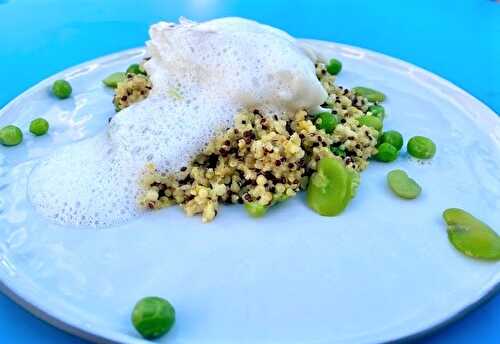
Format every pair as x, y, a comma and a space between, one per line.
235, 59
86, 183
202, 75
168, 133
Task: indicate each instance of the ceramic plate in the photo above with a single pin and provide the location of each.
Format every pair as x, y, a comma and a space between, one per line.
383, 270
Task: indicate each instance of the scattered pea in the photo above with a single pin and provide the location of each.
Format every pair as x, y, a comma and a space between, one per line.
152, 317
11, 135
326, 121
377, 111
334, 67
113, 79
61, 89
421, 147
369, 93
402, 185
330, 188
471, 236
39, 126
393, 137
135, 69
386, 152
255, 209
371, 121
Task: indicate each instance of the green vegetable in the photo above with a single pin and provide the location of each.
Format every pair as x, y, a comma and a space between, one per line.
371, 121
330, 188
152, 317
338, 151
377, 111
421, 147
369, 93
135, 69
326, 121
112, 80
355, 182
278, 199
334, 67
471, 236
402, 185
393, 137
11, 135
61, 89
255, 209
386, 152
39, 126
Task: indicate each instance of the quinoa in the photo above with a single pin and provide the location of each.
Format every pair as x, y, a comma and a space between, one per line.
263, 158
135, 88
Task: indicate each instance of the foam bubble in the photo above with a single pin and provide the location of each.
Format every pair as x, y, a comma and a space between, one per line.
86, 183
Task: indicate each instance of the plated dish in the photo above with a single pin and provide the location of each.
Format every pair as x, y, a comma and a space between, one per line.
308, 134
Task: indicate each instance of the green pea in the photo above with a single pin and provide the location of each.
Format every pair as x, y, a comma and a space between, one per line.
255, 209
471, 236
393, 137
338, 151
334, 67
386, 152
114, 79
402, 185
39, 126
326, 121
136, 69
377, 111
421, 147
11, 135
152, 317
371, 121
61, 89
369, 93
330, 188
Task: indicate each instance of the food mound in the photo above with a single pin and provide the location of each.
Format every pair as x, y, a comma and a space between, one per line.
263, 159
224, 111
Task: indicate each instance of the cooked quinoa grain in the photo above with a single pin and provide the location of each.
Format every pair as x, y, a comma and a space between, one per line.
263, 158
135, 88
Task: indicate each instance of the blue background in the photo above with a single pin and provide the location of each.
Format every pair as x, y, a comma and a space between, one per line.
456, 39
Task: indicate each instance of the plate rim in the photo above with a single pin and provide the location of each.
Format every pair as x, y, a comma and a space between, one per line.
103, 335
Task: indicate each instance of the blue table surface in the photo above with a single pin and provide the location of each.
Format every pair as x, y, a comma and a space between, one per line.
456, 39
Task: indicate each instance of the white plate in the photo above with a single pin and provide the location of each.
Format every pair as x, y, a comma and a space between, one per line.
383, 270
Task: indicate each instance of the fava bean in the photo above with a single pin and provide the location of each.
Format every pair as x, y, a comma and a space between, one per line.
112, 80
471, 236
402, 185
369, 93
330, 188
